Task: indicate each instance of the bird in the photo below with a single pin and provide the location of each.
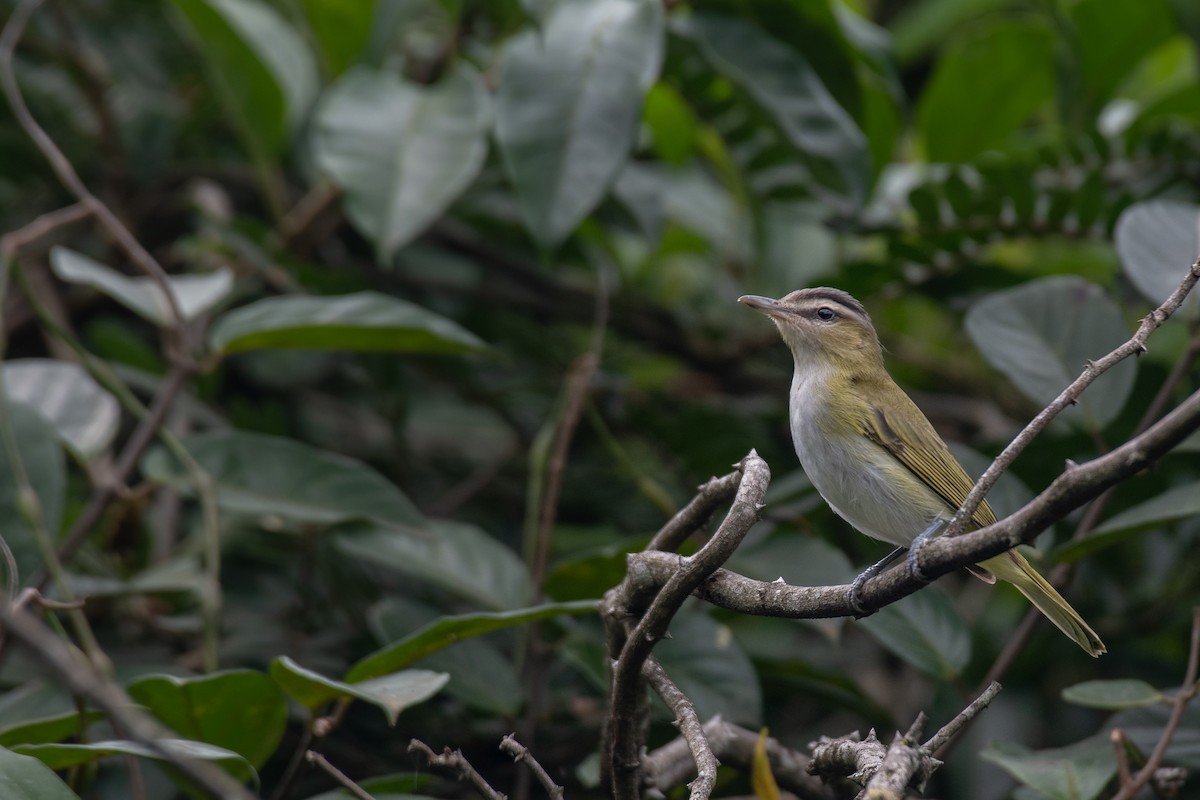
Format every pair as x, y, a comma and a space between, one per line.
874, 456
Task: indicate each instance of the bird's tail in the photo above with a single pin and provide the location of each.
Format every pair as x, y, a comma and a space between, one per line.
1013, 567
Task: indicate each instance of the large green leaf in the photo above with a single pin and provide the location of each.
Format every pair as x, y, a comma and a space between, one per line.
1077, 772
274, 477
1177, 503
1110, 40
1112, 695
391, 694
260, 67
65, 756
361, 321
400, 151
239, 710
926, 631
784, 85
39, 712
568, 103
27, 778
85, 416
708, 665
42, 460
455, 556
1041, 335
442, 633
1158, 240
194, 294
341, 30
985, 86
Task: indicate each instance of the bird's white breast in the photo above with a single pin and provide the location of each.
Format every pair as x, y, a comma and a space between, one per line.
860, 480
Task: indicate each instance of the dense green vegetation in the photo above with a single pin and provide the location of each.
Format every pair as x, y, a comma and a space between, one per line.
452, 328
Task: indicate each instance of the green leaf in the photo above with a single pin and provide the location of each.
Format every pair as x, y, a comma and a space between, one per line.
194, 294
925, 630
446, 631
1041, 335
1113, 695
568, 103
341, 30
26, 778
1144, 726
259, 66
923, 26
65, 756
1078, 772
456, 556
1180, 502
361, 321
283, 479
784, 85
709, 666
984, 88
391, 694
44, 466
401, 152
40, 712
1111, 39
1158, 240
85, 416
239, 710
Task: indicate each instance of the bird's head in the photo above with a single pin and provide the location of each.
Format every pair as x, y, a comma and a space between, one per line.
822, 327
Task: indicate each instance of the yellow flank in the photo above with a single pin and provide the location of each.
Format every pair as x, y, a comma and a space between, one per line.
869, 450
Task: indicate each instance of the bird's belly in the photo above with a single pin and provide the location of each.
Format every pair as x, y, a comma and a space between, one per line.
868, 488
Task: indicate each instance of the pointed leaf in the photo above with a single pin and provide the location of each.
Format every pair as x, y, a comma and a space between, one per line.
85, 416
362, 321
401, 152
65, 756
568, 104
239, 710
1158, 240
41, 457
455, 556
392, 694
1180, 502
275, 477
261, 69
925, 630
194, 294
784, 85
446, 631
1041, 335
1077, 772
1113, 695
26, 778
761, 777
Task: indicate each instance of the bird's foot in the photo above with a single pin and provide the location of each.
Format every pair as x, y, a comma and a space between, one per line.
854, 596
914, 549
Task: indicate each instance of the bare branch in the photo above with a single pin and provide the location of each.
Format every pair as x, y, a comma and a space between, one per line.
705, 761
1135, 346
906, 763
952, 728
1185, 695
454, 759
521, 754
313, 757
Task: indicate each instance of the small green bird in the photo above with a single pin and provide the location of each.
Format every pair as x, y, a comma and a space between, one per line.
873, 455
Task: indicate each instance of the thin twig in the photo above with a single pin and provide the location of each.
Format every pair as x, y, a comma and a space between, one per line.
41, 226
952, 728
313, 757
689, 727
454, 760
521, 754
1185, 695
1117, 737
1134, 346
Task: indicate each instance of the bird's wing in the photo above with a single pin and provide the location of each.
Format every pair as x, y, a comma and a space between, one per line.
912, 441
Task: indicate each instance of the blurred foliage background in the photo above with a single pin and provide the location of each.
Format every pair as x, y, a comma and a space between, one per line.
458, 280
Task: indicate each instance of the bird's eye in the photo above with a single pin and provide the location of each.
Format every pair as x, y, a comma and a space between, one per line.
825, 314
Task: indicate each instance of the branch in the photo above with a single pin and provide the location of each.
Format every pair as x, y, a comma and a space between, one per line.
954, 726
313, 757
521, 754
1185, 695
1068, 397
83, 680
904, 763
672, 764
704, 760
454, 759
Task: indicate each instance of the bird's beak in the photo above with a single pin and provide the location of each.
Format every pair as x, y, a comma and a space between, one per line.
764, 305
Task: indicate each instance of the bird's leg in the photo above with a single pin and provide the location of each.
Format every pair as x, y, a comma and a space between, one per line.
852, 597
914, 549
